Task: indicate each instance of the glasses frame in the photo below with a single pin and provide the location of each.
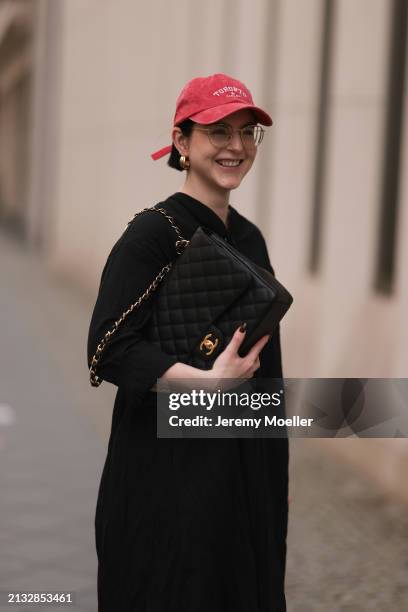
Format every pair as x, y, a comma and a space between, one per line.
231, 132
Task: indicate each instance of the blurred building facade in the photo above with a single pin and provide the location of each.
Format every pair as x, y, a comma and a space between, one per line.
88, 90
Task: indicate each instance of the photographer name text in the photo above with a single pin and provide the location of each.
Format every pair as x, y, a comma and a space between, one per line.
255, 423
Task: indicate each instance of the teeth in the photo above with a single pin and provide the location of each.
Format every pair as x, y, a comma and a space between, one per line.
229, 163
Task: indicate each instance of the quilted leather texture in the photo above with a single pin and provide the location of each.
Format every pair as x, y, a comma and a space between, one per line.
210, 289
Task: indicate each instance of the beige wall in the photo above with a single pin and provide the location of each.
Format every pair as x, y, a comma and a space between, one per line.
15, 100
352, 196
122, 64
290, 175
400, 322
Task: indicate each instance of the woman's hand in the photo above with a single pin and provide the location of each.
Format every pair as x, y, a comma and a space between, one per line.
230, 365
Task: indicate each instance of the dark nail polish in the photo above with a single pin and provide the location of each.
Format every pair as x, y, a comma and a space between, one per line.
243, 327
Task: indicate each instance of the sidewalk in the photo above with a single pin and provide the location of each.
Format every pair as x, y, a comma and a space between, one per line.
347, 545
51, 454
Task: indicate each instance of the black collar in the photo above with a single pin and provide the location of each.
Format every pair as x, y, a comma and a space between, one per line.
205, 216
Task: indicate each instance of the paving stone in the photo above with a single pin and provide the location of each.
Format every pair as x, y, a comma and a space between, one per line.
347, 542
50, 453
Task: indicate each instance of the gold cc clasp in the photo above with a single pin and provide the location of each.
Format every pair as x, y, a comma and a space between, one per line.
208, 345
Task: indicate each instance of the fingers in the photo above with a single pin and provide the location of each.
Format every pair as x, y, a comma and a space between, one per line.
237, 338
257, 348
252, 358
255, 365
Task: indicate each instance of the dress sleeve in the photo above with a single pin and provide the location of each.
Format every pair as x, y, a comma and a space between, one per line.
128, 360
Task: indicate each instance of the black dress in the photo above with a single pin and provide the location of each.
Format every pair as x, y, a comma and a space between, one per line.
181, 525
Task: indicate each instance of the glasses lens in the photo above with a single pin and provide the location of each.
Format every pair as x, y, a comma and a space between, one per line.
219, 135
252, 135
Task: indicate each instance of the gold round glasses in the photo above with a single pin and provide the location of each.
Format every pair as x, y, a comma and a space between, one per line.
220, 135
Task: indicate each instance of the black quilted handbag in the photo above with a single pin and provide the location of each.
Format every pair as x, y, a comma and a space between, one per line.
209, 291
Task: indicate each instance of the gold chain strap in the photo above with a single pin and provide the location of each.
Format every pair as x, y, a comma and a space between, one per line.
181, 244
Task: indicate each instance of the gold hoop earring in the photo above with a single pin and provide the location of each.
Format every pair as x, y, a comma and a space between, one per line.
184, 162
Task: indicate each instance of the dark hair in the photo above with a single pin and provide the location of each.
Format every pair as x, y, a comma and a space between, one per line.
174, 159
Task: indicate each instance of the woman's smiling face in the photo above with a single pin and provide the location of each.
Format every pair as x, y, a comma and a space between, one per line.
205, 158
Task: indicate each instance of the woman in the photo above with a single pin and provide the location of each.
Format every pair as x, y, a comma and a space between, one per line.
188, 525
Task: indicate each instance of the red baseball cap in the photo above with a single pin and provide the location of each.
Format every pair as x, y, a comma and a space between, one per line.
208, 99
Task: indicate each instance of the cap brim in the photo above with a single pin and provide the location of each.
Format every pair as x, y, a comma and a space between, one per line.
219, 112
